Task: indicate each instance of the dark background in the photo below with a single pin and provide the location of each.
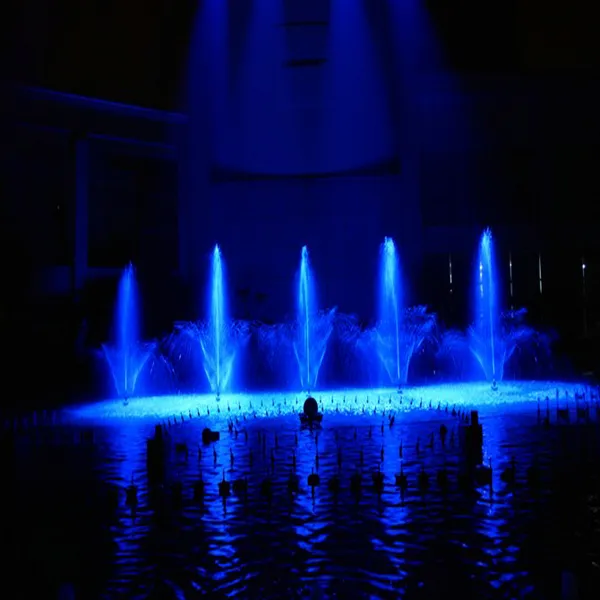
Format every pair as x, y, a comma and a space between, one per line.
137, 52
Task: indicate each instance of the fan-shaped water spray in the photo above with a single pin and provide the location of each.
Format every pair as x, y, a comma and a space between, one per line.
127, 356
313, 328
494, 336
296, 349
400, 331
218, 337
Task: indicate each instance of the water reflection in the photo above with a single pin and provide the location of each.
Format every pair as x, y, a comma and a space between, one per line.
274, 541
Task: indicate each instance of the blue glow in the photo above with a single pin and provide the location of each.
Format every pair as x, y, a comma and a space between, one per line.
260, 142
295, 531
217, 362
494, 336
355, 84
210, 351
486, 328
127, 356
400, 332
313, 328
218, 338
298, 348
390, 305
209, 56
476, 395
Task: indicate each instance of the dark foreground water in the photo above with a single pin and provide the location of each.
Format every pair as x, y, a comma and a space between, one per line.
67, 519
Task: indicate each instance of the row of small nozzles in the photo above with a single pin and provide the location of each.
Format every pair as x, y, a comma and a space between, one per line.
480, 476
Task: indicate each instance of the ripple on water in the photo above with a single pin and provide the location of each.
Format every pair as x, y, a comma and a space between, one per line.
346, 544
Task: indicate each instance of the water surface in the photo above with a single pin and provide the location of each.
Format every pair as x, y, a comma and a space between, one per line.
70, 515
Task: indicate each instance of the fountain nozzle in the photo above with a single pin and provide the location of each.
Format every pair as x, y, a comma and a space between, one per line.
311, 415
311, 407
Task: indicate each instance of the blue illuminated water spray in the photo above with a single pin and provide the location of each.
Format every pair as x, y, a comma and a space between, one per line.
218, 338
127, 355
312, 328
487, 309
390, 297
127, 323
217, 313
304, 311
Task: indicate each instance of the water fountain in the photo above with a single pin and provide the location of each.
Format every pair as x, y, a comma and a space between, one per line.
127, 356
494, 335
390, 304
313, 328
296, 348
299, 346
484, 333
400, 332
218, 338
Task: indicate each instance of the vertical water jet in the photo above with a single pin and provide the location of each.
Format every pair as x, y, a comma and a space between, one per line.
488, 313
217, 314
495, 336
485, 342
218, 338
313, 328
390, 302
127, 355
400, 331
217, 354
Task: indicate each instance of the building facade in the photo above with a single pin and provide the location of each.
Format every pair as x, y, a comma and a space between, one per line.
91, 185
